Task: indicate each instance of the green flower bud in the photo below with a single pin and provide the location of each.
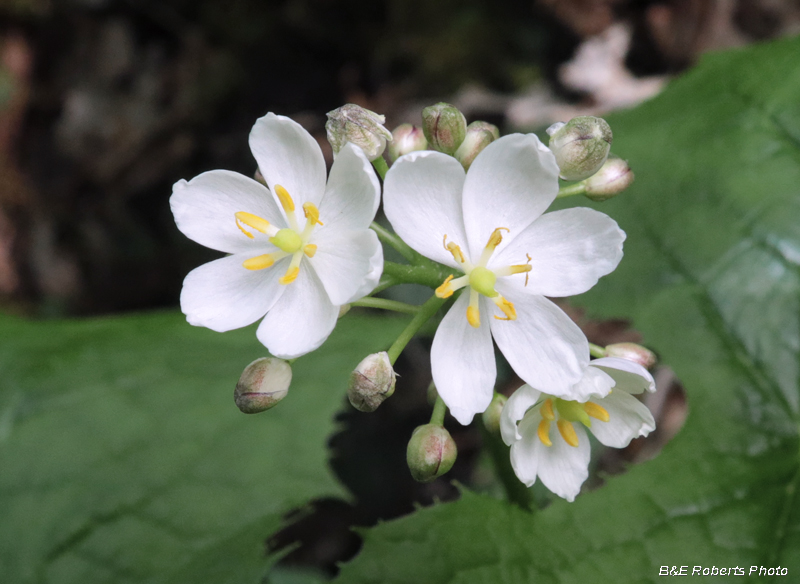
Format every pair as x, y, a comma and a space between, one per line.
371, 382
431, 453
491, 417
262, 385
614, 177
406, 138
445, 127
353, 123
632, 352
479, 136
581, 146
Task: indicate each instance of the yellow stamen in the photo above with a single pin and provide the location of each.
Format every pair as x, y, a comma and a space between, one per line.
445, 290
530, 267
259, 262
253, 221
544, 432
547, 410
496, 237
310, 249
312, 213
597, 412
519, 268
285, 198
567, 431
454, 250
507, 308
473, 313
290, 276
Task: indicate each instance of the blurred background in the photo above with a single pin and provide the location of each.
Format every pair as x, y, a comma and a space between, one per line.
104, 104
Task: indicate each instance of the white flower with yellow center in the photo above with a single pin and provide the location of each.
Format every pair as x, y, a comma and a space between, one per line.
488, 224
299, 249
547, 435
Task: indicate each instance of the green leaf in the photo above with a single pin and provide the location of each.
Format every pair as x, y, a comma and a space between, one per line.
124, 459
711, 277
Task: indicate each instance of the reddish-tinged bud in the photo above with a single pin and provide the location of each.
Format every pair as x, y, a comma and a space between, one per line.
431, 453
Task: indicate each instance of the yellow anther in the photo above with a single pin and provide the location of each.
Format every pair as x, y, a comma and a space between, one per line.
285, 198
456, 251
310, 249
507, 308
547, 410
290, 276
259, 262
597, 412
519, 268
473, 316
253, 221
544, 432
529, 261
496, 237
445, 290
312, 213
567, 431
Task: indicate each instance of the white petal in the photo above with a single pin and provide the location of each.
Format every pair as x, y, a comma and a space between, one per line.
344, 262
288, 155
302, 319
594, 384
514, 410
564, 468
353, 192
462, 362
372, 278
570, 250
629, 376
543, 346
422, 200
509, 185
526, 451
205, 208
223, 295
628, 418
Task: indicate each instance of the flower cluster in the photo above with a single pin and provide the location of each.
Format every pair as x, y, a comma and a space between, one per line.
471, 211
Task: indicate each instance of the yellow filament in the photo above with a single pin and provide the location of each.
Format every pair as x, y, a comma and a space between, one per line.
597, 412
453, 249
547, 410
310, 249
507, 308
567, 431
496, 237
473, 316
251, 220
445, 290
259, 262
290, 276
544, 432
526, 274
312, 213
285, 198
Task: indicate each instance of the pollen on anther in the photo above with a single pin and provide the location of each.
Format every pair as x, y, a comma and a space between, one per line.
259, 262
596, 411
310, 249
312, 213
547, 410
567, 431
445, 290
290, 276
543, 432
473, 317
285, 198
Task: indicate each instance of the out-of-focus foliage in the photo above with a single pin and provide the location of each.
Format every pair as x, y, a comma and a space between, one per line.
124, 458
711, 277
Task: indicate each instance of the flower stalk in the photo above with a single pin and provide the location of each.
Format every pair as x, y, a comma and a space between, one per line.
426, 312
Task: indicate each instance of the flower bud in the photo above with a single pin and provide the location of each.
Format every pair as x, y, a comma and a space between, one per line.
371, 382
479, 136
406, 138
581, 146
431, 452
353, 123
262, 385
491, 417
614, 177
632, 352
445, 127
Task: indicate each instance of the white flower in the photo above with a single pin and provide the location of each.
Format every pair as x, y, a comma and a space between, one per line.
488, 224
560, 456
296, 270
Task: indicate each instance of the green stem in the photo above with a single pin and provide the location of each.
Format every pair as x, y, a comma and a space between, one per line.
570, 190
426, 311
596, 351
380, 167
398, 244
427, 273
439, 410
386, 304
516, 492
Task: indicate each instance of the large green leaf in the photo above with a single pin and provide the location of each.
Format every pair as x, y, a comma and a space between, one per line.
124, 459
711, 278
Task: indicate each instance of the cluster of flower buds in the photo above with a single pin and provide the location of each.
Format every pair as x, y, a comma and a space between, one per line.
406, 138
262, 385
353, 123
